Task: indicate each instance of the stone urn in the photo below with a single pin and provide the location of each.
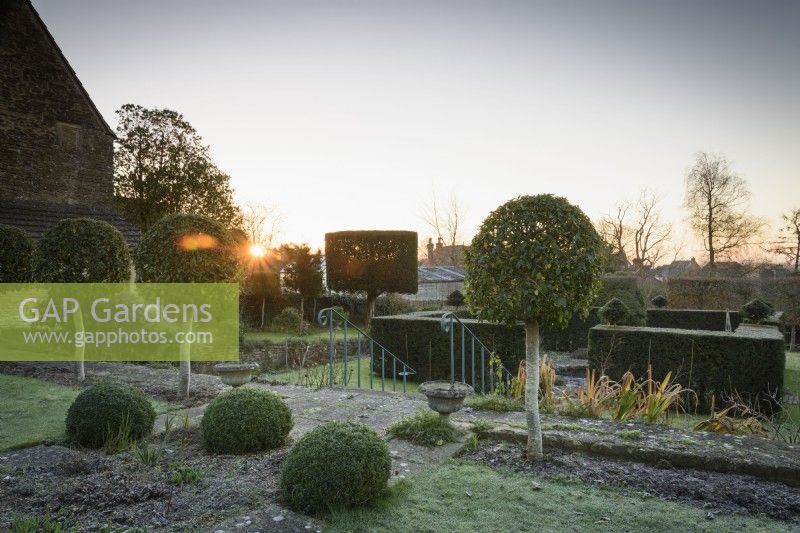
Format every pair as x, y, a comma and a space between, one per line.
445, 397
235, 374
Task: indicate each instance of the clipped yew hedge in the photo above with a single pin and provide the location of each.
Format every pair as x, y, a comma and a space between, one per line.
704, 319
749, 361
421, 343
17, 252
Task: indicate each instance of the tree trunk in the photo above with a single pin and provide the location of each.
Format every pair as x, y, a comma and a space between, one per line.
263, 303
185, 368
370, 308
534, 449
80, 350
793, 339
302, 315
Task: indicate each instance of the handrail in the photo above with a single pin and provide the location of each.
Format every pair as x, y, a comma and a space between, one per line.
447, 321
327, 317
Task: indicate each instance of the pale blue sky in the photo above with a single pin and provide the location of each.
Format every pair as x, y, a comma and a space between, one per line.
348, 114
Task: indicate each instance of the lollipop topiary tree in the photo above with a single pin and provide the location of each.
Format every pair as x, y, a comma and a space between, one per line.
82, 250
187, 248
539, 260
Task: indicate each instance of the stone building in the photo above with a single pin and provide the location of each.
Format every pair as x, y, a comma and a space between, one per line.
56, 150
444, 255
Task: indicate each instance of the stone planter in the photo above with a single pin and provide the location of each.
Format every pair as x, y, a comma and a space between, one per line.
235, 374
445, 397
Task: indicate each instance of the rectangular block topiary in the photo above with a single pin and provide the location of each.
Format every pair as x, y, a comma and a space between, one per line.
704, 319
749, 361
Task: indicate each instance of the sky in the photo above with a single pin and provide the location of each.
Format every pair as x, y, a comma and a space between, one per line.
352, 114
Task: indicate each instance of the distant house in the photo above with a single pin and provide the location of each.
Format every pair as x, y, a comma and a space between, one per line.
444, 255
56, 150
435, 283
677, 269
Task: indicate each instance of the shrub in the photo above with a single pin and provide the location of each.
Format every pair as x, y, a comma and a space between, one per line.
659, 301
455, 299
425, 428
17, 252
82, 250
711, 363
392, 304
705, 319
244, 420
104, 411
335, 464
756, 311
615, 312
287, 320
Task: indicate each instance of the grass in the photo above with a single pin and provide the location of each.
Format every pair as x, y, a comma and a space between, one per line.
463, 496
318, 376
279, 337
630, 434
492, 402
33, 411
425, 428
791, 376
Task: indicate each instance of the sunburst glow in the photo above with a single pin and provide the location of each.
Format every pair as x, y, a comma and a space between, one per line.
257, 250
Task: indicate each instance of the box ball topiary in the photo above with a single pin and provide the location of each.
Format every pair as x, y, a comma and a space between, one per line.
245, 420
659, 301
615, 312
757, 311
335, 464
17, 251
105, 409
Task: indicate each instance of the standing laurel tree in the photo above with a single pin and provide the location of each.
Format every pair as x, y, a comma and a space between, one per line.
539, 260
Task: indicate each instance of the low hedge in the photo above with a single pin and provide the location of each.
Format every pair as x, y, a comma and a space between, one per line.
704, 319
749, 361
420, 342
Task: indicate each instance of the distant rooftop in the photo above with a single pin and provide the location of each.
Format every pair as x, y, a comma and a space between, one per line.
436, 274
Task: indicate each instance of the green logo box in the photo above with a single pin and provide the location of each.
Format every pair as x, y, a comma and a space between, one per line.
119, 321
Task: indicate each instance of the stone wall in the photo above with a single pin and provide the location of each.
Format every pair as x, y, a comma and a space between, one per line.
53, 145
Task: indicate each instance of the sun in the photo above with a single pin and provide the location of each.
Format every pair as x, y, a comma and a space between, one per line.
256, 250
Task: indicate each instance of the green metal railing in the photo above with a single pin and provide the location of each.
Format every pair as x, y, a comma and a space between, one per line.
335, 321
449, 323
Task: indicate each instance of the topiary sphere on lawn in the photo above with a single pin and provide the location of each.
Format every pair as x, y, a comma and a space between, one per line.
335, 464
17, 251
83, 250
99, 412
187, 248
244, 420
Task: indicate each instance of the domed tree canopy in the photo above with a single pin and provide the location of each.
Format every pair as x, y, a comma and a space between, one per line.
83, 250
372, 262
187, 248
536, 259
17, 251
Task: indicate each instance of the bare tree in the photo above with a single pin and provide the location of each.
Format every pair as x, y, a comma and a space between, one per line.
650, 233
788, 243
444, 220
636, 230
614, 231
261, 223
717, 200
